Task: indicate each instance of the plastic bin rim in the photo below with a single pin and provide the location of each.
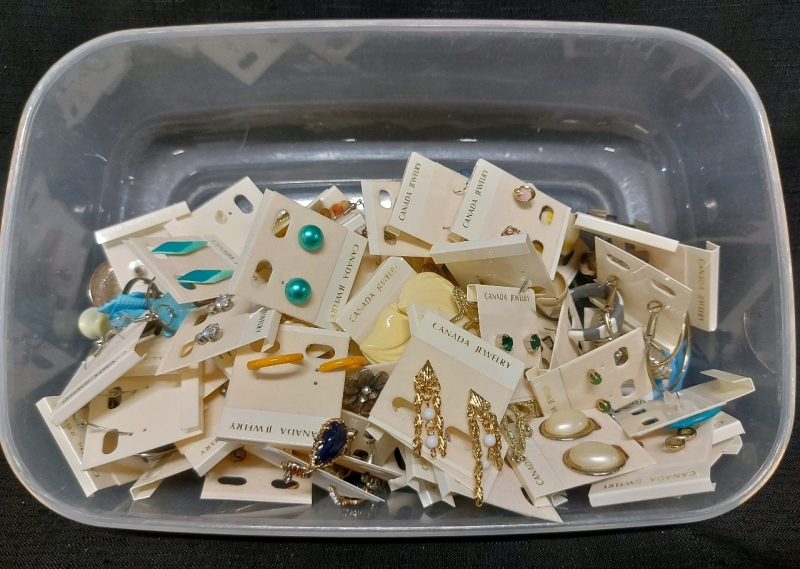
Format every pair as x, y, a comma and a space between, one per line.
437, 25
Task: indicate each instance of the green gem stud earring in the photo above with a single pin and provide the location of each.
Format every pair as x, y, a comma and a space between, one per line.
532, 343
594, 377
504, 342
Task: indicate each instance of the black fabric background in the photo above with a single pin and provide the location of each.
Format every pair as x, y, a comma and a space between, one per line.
762, 37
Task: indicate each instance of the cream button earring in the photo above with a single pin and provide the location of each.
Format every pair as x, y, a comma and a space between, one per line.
567, 425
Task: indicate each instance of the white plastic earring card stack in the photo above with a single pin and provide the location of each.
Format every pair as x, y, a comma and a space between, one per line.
471, 341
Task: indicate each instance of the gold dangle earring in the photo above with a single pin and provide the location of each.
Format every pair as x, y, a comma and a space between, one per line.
426, 390
479, 412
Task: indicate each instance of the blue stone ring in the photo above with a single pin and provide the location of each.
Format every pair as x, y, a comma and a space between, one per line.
330, 443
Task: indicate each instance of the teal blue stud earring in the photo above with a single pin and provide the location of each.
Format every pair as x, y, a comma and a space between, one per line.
298, 291
310, 237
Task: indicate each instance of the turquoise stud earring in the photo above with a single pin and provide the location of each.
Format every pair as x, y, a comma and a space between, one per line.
298, 291
310, 237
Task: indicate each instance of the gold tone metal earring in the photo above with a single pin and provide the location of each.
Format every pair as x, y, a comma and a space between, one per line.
479, 412
426, 391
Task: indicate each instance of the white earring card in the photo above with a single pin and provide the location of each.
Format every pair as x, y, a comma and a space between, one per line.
462, 362
258, 402
126, 263
489, 207
674, 474
319, 477
255, 480
564, 348
609, 433
70, 437
205, 450
98, 372
244, 323
501, 261
429, 198
228, 216
145, 418
535, 474
698, 269
622, 234
640, 283
152, 349
379, 196
160, 469
359, 315
273, 256
615, 372
504, 311
648, 416
507, 493
167, 269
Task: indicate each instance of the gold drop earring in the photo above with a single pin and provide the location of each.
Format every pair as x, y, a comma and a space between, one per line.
426, 394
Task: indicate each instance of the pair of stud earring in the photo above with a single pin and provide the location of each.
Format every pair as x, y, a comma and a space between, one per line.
532, 342
298, 290
593, 458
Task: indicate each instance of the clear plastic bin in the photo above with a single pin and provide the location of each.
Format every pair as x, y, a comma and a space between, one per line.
648, 123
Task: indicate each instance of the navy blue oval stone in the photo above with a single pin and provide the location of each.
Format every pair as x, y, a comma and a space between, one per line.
334, 438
